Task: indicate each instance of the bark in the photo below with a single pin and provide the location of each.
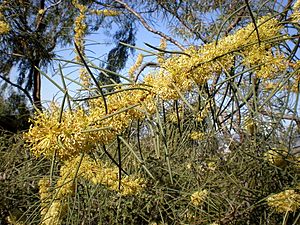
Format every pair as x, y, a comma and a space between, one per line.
37, 85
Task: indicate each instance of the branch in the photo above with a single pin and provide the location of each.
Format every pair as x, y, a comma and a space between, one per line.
150, 64
285, 117
235, 22
19, 87
148, 27
182, 21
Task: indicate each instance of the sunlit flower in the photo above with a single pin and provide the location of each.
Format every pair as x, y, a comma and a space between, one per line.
285, 201
197, 135
199, 197
296, 12
161, 55
105, 12
276, 156
4, 27
51, 209
135, 67
97, 173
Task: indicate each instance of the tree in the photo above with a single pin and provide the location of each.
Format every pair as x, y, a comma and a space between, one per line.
36, 28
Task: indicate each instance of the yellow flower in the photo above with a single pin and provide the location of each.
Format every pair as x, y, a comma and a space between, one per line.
179, 73
286, 201
137, 65
105, 12
54, 214
4, 27
276, 157
196, 135
48, 136
161, 55
41, 11
51, 210
84, 77
203, 113
199, 197
97, 173
296, 12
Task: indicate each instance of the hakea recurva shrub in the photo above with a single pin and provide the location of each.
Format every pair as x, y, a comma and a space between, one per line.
79, 130
179, 74
69, 134
54, 203
74, 132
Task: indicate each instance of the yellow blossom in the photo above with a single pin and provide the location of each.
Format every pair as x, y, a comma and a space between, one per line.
79, 130
199, 197
54, 214
105, 12
137, 65
197, 65
41, 11
84, 77
97, 173
48, 136
196, 135
161, 55
51, 209
285, 201
296, 12
276, 157
270, 86
203, 113
4, 27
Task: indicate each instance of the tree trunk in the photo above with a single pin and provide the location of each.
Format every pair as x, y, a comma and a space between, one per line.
37, 85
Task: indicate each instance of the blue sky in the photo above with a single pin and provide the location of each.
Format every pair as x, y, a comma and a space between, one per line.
97, 49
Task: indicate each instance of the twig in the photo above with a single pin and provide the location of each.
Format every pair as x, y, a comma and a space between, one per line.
253, 20
148, 27
151, 64
19, 87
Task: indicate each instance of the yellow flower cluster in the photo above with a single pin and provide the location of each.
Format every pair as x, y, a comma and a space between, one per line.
296, 82
197, 135
78, 131
198, 197
12, 220
80, 25
81, 167
296, 12
137, 65
161, 55
203, 113
173, 117
48, 136
285, 201
270, 62
51, 209
198, 65
270, 86
276, 157
165, 86
105, 12
80, 29
97, 173
4, 27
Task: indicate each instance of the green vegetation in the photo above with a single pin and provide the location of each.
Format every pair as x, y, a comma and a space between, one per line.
207, 136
